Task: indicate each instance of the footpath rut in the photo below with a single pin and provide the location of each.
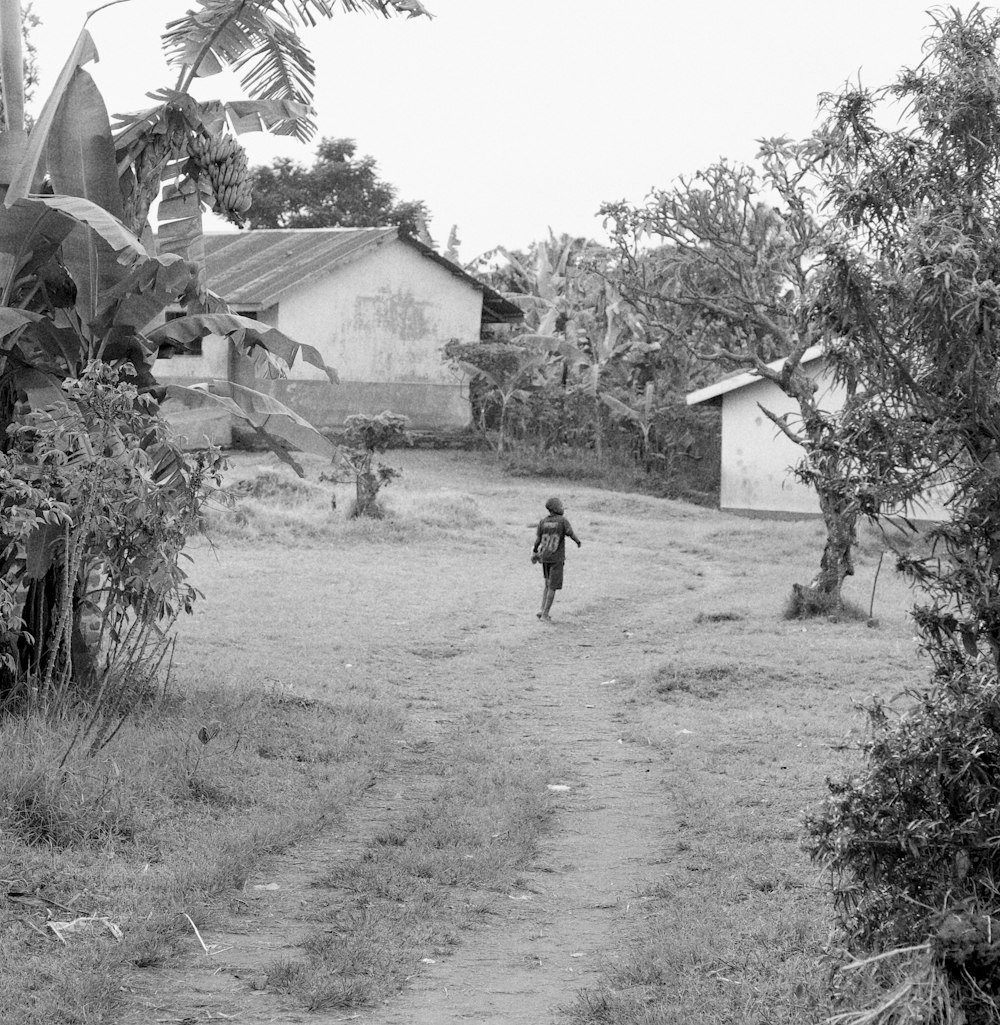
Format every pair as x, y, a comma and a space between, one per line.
551, 937
553, 685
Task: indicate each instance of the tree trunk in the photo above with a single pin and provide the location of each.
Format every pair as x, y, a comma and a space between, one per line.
366, 493
824, 591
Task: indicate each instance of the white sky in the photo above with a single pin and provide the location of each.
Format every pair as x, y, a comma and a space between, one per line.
508, 117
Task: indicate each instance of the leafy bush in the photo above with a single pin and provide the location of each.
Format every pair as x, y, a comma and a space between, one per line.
98, 503
912, 843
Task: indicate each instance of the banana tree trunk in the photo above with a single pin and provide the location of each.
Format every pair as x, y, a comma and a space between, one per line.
504, 400
13, 138
12, 65
595, 378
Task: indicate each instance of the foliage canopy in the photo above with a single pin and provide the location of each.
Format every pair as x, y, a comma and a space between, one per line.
339, 190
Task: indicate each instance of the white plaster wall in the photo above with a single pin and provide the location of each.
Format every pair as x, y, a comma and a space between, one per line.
383, 317
757, 459
212, 363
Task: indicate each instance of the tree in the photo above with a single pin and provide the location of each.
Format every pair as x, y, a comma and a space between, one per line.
911, 840
364, 437
740, 253
338, 191
924, 201
82, 278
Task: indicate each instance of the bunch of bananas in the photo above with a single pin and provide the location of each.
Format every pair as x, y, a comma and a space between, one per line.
224, 161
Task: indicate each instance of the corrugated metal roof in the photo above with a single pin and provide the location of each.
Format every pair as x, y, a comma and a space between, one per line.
256, 268
741, 378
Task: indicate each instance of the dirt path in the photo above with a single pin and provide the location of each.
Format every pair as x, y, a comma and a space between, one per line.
458, 633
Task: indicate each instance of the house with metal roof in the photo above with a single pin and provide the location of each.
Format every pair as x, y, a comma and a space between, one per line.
378, 304
757, 459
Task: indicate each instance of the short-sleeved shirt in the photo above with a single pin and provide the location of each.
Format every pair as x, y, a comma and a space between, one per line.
550, 538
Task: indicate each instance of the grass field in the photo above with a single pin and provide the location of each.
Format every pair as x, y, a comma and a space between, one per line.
329, 654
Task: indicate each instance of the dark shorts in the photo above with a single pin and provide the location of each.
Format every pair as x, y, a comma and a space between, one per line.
553, 575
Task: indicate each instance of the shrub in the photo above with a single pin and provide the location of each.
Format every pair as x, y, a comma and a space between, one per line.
98, 502
912, 842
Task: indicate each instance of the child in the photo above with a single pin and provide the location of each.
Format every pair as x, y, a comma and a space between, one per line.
550, 551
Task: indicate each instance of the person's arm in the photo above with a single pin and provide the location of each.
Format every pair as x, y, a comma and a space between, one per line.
538, 539
570, 534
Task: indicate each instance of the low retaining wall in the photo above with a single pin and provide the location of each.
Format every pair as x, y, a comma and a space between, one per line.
326, 406
429, 407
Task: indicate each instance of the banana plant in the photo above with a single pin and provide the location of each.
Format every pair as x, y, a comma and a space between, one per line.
595, 338
573, 311
641, 414
83, 278
507, 379
81, 275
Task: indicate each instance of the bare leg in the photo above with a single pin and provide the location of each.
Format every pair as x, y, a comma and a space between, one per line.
550, 597
545, 594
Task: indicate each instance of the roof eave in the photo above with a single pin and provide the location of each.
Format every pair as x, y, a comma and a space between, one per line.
733, 382
496, 309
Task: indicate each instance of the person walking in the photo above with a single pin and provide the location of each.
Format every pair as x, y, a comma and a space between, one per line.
550, 551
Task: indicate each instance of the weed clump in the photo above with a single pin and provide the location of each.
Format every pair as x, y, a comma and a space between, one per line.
807, 603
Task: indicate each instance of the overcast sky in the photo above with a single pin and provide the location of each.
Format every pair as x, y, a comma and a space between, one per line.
508, 117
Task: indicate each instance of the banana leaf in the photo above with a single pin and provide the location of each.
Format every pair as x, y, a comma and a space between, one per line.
179, 230
146, 291
28, 177
11, 319
81, 162
245, 333
281, 428
43, 389
620, 409
111, 230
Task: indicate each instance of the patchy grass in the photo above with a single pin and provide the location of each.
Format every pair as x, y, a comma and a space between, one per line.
750, 714
735, 929
424, 876
149, 830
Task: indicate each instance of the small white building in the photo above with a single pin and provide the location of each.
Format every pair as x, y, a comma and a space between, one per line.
377, 304
757, 459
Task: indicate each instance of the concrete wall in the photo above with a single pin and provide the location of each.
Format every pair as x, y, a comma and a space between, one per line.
428, 406
213, 363
757, 459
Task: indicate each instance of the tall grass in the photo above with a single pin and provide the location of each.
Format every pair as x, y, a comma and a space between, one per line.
181, 805
271, 504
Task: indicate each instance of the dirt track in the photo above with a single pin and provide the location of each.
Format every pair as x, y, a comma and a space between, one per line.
454, 627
